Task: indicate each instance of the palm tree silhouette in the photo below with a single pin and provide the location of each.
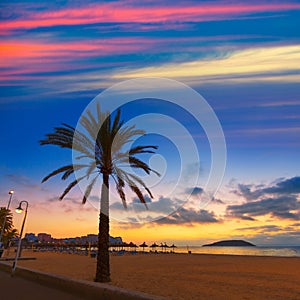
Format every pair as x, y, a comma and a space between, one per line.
8, 232
103, 152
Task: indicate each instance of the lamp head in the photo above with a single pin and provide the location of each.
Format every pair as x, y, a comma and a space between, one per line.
19, 209
11, 192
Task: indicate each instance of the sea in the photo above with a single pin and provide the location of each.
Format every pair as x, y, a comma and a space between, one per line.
282, 251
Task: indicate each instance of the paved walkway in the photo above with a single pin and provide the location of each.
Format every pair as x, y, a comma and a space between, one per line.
16, 288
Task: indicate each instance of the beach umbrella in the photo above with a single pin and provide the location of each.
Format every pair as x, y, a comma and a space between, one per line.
166, 246
132, 245
173, 247
143, 246
162, 246
115, 246
123, 245
154, 246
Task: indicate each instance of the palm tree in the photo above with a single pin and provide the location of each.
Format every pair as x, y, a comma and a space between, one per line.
104, 155
9, 231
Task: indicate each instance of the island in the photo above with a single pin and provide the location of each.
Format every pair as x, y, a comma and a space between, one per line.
230, 243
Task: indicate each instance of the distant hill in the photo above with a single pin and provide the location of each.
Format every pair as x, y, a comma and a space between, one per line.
230, 243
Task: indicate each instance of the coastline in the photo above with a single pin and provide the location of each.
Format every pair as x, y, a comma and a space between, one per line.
185, 276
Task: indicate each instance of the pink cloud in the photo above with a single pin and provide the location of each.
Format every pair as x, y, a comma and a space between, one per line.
116, 12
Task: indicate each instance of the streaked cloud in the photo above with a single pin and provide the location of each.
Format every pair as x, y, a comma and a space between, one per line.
163, 205
189, 217
134, 12
279, 200
23, 181
262, 229
283, 207
283, 187
254, 64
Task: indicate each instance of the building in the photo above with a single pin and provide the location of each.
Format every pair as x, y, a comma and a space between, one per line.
31, 237
44, 238
115, 240
90, 238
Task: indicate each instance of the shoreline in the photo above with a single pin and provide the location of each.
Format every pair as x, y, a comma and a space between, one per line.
179, 251
185, 276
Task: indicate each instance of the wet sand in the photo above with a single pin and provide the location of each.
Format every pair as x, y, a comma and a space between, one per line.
184, 276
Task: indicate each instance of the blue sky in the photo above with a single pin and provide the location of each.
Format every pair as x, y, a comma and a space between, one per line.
242, 57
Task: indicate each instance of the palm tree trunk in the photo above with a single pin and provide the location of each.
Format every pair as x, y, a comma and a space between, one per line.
103, 270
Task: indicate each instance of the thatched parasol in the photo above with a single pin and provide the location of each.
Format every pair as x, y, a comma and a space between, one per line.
154, 246
132, 245
143, 246
173, 247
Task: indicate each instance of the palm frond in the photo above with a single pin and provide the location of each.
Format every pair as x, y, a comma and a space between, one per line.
62, 137
117, 124
89, 189
62, 169
124, 136
133, 187
120, 184
142, 149
141, 182
70, 186
137, 163
138, 192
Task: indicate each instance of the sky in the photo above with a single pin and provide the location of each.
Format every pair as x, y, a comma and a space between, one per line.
242, 57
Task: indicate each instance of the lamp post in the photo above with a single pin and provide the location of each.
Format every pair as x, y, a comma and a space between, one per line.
19, 210
10, 193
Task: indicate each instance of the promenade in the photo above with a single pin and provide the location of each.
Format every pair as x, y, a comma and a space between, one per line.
22, 289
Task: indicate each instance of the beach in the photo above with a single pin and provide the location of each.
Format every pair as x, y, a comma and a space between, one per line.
185, 276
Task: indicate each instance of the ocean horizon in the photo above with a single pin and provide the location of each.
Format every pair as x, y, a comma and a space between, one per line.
262, 250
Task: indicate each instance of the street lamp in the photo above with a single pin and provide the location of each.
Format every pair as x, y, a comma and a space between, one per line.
10, 193
19, 210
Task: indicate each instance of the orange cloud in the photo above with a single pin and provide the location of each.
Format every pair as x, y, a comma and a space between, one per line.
29, 56
32, 48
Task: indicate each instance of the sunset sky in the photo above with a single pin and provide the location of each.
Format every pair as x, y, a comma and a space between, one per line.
243, 57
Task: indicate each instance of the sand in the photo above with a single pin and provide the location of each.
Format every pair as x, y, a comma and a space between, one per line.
184, 276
